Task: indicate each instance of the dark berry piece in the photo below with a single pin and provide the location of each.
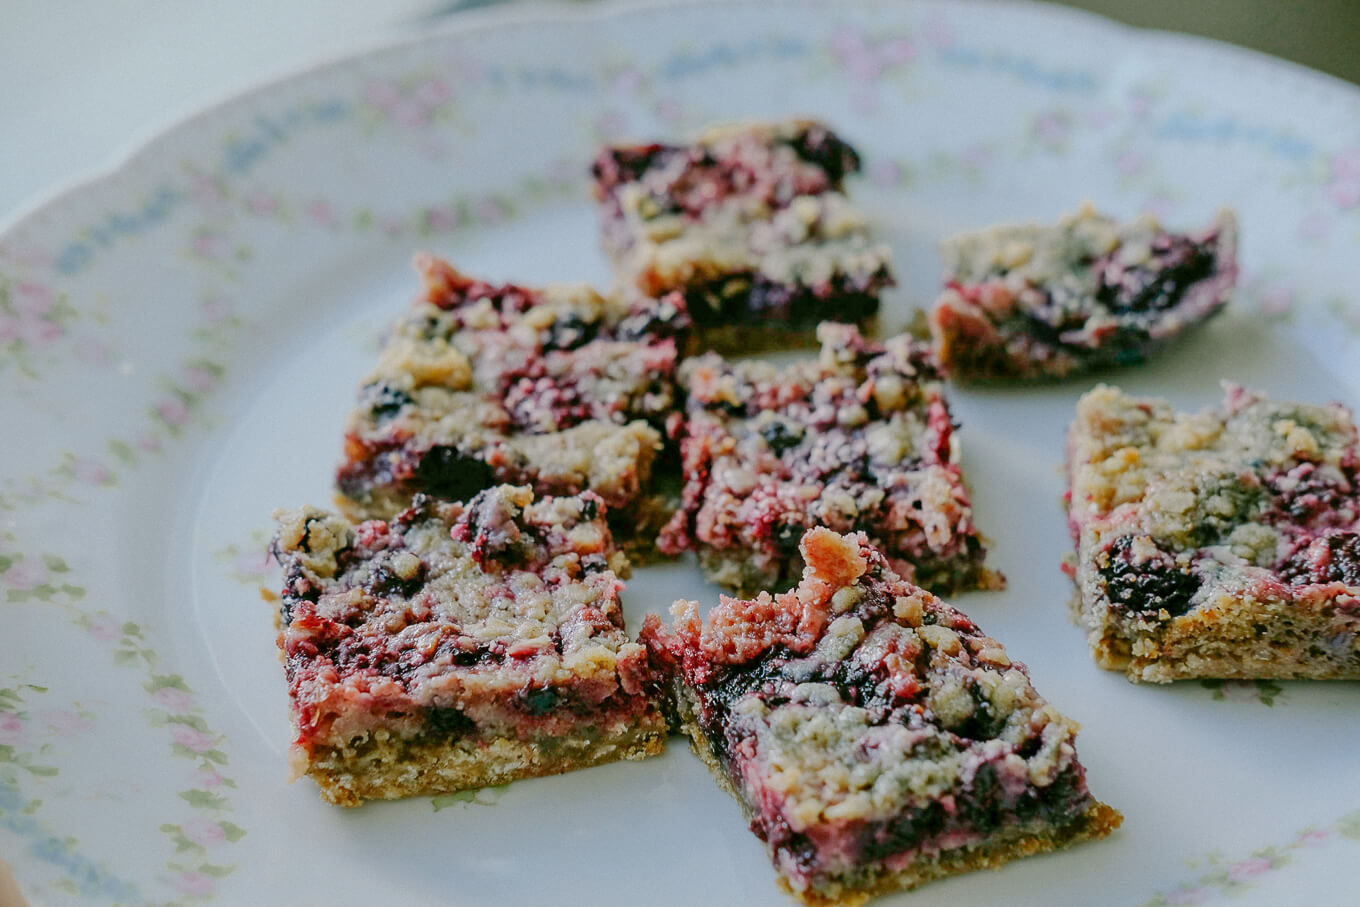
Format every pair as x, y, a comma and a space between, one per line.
538, 702
570, 332
449, 722
614, 166
1155, 584
781, 435
902, 833
383, 400
446, 473
819, 145
1332, 558
1161, 282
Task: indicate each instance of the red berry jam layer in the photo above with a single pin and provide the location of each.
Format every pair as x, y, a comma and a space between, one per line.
1031, 301
482, 630
1217, 544
875, 737
747, 227
556, 388
858, 439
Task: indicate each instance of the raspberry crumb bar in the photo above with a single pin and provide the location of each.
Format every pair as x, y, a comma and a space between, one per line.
458, 646
557, 388
1219, 544
1031, 301
860, 438
875, 738
747, 229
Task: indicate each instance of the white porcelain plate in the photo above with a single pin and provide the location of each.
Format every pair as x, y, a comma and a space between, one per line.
180, 341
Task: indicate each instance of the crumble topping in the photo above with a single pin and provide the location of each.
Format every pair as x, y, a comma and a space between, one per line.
1238, 521
860, 438
557, 388
862, 720
747, 224
501, 614
1032, 300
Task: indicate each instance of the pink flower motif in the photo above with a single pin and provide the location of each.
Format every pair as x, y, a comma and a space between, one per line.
897, 50
195, 740
628, 81
610, 123
33, 298
263, 205
323, 214
975, 155
1346, 163
29, 329
105, 627
669, 110
393, 226
193, 883
1345, 192
25, 573
215, 308
382, 94
441, 219
174, 700
885, 173
173, 411
149, 443
561, 172
89, 471
65, 723
256, 562
1315, 838
1277, 301
1245, 870
848, 43
1051, 127
94, 352
208, 779
1239, 691
1315, 226
1159, 206
1188, 896
1130, 163
432, 93
199, 379
210, 245
208, 192
203, 831
11, 730
490, 211
1140, 105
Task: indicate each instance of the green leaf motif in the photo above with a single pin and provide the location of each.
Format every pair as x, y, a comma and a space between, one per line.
1349, 826
201, 799
55, 564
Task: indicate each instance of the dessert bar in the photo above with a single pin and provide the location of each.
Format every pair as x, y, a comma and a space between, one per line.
557, 388
1224, 543
458, 646
1031, 301
858, 438
875, 738
747, 229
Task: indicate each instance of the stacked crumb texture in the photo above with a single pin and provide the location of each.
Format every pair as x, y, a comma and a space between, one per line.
558, 388
747, 229
1037, 301
1224, 543
874, 736
458, 645
859, 438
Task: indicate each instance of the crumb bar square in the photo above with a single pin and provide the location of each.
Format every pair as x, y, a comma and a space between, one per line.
1035, 301
478, 384
858, 438
747, 229
875, 737
458, 646
1224, 543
